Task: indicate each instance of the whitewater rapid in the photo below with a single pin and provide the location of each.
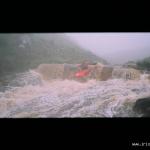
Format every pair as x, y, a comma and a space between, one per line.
30, 96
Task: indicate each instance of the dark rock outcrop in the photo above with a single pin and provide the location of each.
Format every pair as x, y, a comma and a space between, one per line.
143, 106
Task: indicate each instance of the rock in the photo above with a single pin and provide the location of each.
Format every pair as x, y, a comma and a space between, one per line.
51, 71
126, 73
106, 73
93, 73
69, 71
143, 106
96, 71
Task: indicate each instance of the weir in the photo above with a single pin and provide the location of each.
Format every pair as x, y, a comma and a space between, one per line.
98, 72
126, 73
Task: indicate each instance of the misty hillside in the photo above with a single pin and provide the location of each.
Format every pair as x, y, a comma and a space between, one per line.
19, 52
144, 64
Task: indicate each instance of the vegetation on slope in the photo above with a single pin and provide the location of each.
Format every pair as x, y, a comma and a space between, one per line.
144, 64
20, 52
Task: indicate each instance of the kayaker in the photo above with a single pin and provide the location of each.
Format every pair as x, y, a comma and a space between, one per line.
83, 70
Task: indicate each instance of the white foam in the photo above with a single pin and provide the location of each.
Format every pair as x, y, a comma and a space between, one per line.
69, 98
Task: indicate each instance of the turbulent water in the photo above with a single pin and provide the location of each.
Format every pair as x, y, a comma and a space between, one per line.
29, 95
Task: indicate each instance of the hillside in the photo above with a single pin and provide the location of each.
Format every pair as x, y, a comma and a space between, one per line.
20, 52
144, 64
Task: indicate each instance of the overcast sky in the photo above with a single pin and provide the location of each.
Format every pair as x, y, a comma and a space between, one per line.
115, 47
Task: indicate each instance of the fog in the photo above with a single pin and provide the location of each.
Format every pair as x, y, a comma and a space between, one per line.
116, 48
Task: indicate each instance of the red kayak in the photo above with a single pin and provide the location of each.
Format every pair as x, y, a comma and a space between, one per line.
82, 73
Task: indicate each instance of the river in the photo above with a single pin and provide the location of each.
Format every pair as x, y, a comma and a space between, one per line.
28, 95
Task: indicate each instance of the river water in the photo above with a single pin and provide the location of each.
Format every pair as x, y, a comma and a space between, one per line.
28, 95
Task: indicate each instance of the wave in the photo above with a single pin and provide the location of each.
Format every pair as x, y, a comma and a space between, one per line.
30, 95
